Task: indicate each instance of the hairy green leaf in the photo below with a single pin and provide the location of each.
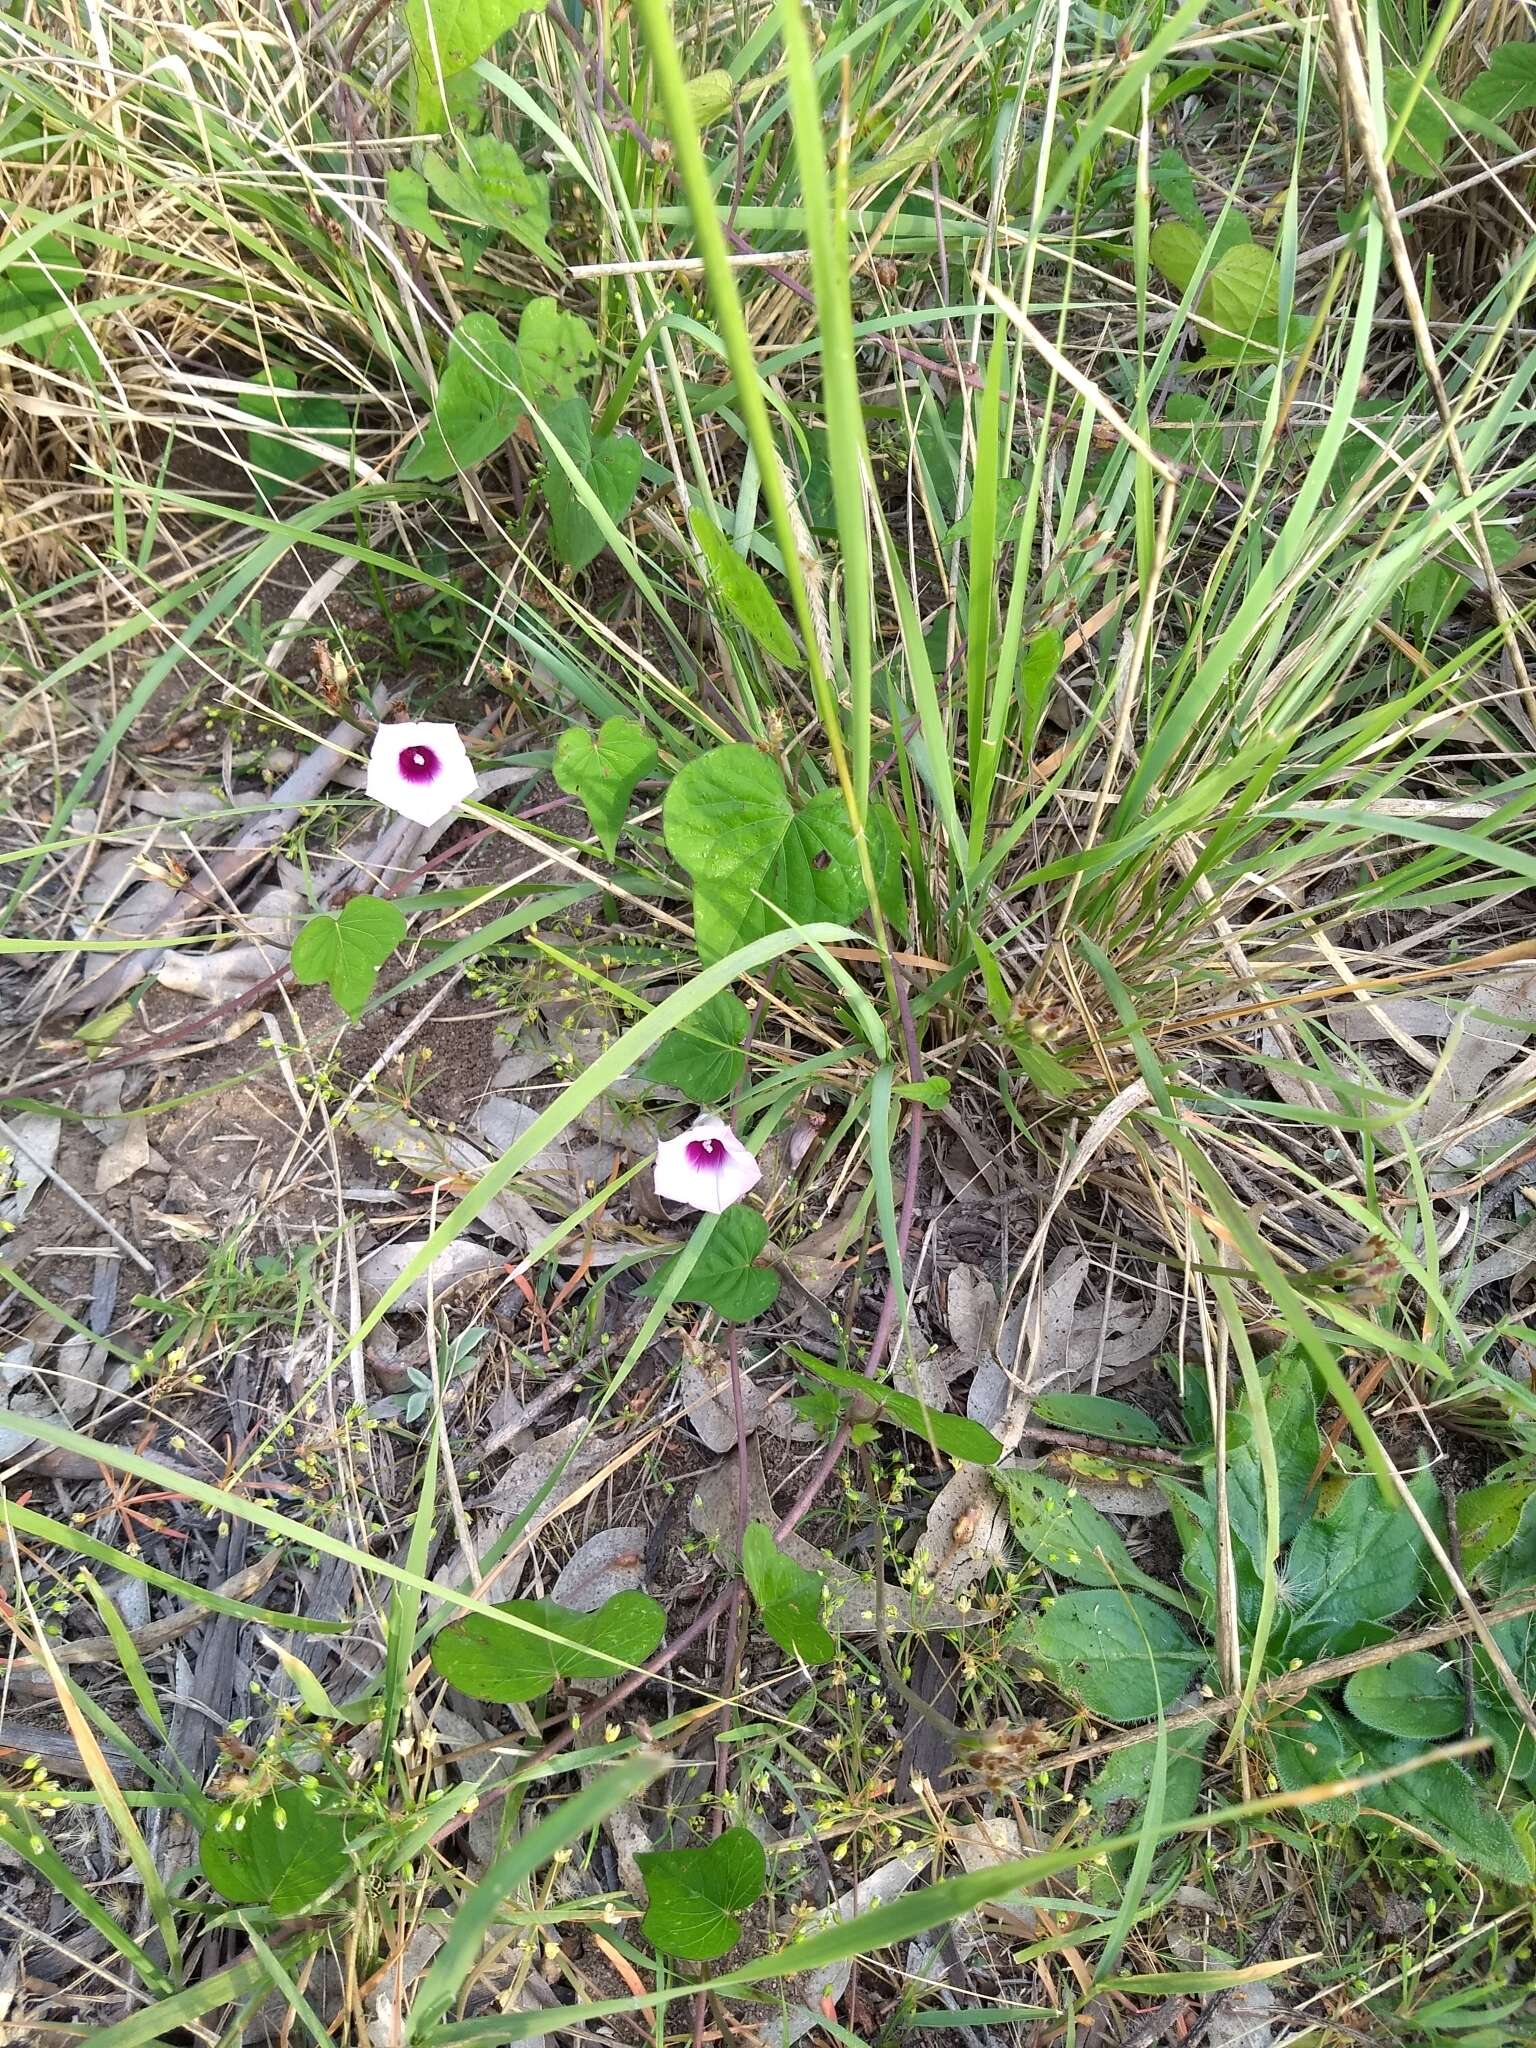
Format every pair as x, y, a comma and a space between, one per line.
1120, 1654
1415, 1694
1066, 1534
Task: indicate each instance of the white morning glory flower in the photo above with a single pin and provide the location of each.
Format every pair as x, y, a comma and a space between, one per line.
421, 771
707, 1168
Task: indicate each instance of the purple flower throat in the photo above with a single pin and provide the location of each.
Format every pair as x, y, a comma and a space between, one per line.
706, 1154
418, 764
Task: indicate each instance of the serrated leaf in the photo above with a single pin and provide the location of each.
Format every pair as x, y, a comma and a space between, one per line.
601, 769
409, 205
610, 465
1120, 1654
956, 1435
788, 1595
726, 1276
491, 1661
1415, 1694
703, 1058
477, 404
1067, 1535
695, 1897
347, 951
448, 36
282, 404
285, 1853
556, 350
743, 592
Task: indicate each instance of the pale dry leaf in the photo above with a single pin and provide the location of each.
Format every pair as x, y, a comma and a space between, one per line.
1104, 1345
456, 1267
612, 1561
220, 977
704, 1387
58, 1394
437, 1158
1492, 1024
550, 1473
966, 1534
924, 1373
985, 1842
970, 1310
1033, 1353
807, 1991
32, 1140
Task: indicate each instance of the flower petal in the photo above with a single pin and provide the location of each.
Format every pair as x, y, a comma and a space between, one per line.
420, 769
707, 1168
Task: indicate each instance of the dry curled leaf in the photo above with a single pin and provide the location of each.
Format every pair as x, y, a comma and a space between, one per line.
458, 1266
612, 1561
32, 1142
966, 1534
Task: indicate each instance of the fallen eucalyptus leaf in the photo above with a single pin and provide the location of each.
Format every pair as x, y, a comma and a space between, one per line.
612, 1561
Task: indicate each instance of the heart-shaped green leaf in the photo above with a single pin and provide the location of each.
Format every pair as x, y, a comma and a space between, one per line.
556, 350
743, 592
703, 1058
729, 822
601, 769
695, 1897
348, 950
283, 405
492, 1661
725, 1276
280, 1851
409, 205
788, 1596
955, 1435
447, 36
608, 464
477, 403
